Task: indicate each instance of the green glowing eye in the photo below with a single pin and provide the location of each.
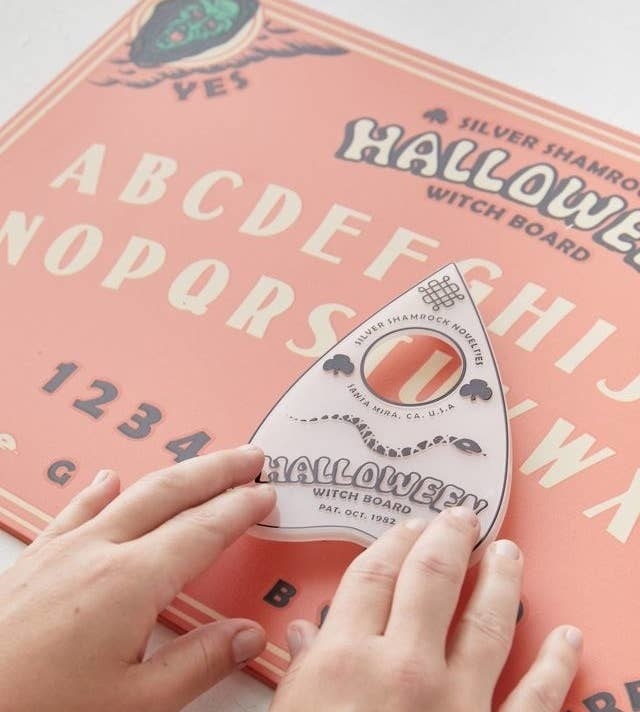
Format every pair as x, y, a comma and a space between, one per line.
184, 28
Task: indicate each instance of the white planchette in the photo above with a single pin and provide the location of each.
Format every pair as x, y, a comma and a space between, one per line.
402, 418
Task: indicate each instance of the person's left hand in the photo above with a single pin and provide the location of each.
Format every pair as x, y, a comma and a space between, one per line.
77, 608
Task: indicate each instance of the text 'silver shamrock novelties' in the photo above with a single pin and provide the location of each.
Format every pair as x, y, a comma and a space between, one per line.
402, 418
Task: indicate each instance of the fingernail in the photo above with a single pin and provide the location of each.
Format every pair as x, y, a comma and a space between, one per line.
102, 476
294, 640
249, 447
574, 637
246, 645
464, 514
507, 548
416, 524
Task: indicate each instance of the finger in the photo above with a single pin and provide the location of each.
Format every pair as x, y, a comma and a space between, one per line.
183, 669
186, 545
362, 602
301, 635
430, 580
163, 494
545, 687
84, 506
484, 634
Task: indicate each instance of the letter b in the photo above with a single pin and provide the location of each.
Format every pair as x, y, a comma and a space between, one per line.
633, 690
601, 702
281, 593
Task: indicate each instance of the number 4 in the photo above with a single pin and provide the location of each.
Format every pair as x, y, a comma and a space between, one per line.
189, 446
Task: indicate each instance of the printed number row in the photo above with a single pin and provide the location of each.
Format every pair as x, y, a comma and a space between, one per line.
143, 421
139, 425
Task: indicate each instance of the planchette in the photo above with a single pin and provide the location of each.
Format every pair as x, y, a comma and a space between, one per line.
402, 418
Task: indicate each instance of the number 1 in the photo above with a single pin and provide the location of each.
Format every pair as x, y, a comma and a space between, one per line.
64, 370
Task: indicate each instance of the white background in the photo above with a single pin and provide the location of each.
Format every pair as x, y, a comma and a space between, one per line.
583, 54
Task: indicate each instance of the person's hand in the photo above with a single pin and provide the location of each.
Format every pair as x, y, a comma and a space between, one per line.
387, 644
77, 608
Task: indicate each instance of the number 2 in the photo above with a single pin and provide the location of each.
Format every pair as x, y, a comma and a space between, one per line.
90, 405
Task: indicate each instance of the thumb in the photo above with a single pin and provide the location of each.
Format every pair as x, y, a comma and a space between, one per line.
183, 669
301, 635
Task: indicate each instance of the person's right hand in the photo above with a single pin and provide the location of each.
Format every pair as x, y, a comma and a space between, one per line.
78, 606
386, 644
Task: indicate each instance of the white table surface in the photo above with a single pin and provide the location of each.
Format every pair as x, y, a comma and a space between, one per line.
582, 54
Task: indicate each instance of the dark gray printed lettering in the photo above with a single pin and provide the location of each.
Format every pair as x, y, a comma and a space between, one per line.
367, 477
538, 186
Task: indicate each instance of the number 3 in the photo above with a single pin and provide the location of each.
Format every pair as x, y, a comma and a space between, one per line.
152, 415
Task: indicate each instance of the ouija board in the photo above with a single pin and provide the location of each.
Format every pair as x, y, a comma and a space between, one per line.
217, 193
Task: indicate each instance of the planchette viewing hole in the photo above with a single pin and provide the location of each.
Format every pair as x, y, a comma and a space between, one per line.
411, 367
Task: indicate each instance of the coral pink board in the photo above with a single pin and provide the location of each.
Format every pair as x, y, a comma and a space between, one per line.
216, 194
